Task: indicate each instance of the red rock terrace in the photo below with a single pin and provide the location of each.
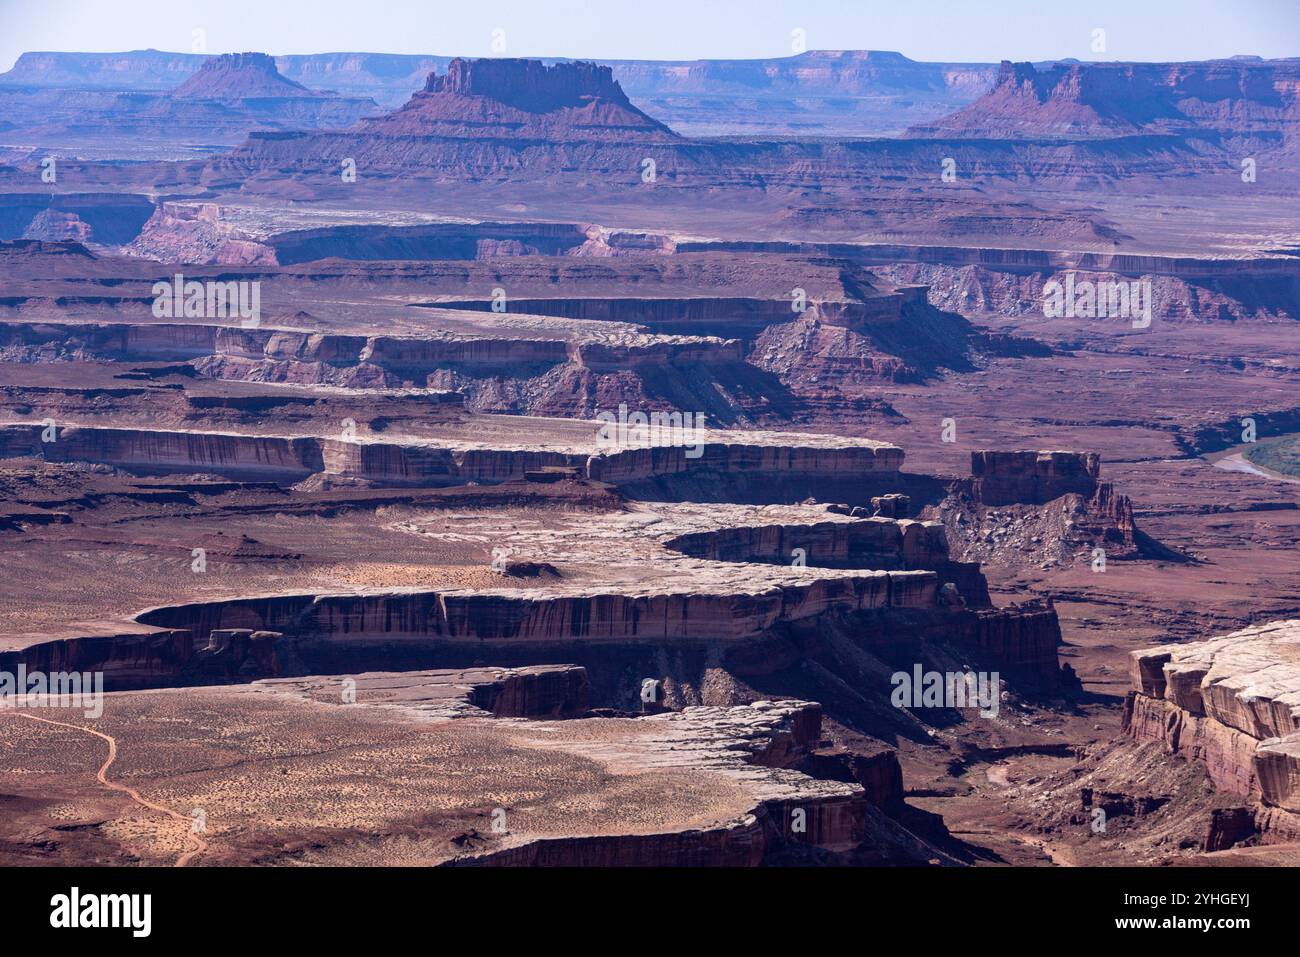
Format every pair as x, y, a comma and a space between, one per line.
1231, 705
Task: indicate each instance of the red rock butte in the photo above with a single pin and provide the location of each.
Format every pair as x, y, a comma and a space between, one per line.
521, 99
239, 76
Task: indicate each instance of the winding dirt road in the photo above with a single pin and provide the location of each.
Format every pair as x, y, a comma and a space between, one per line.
198, 845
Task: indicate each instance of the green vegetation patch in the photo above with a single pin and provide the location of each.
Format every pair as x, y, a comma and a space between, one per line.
1280, 455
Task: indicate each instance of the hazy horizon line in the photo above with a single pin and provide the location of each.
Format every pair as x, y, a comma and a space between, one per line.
622, 59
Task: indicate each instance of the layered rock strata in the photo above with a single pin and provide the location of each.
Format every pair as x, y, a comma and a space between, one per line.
1004, 478
681, 588
488, 766
754, 744
441, 462
1231, 704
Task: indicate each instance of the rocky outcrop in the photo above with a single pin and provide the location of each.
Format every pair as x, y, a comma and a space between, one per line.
1043, 507
193, 234
1231, 704
1024, 637
648, 352
58, 226
1032, 478
755, 744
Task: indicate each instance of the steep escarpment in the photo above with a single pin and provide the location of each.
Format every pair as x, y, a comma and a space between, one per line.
799, 818
830, 321
578, 376
108, 219
435, 241
871, 543
651, 462
1229, 291
682, 591
1231, 704
1242, 101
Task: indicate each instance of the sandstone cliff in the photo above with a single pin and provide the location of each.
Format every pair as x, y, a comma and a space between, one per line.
1233, 705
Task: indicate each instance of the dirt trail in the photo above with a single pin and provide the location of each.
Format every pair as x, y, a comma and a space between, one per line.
198, 844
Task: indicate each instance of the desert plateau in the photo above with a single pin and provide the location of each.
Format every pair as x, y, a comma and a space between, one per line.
547, 452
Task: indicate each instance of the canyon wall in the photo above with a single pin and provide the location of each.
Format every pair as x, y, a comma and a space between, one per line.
1005, 478
429, 462
694, 315
869, 543
110, 219
1231, 704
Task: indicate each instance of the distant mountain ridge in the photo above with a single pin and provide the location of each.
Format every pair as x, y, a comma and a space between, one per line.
1240, 98
820, 92
228, 97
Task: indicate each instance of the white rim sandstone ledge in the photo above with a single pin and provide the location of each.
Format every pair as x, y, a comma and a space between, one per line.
450, 459
591, 612
647, 585
1233, 703
751, 745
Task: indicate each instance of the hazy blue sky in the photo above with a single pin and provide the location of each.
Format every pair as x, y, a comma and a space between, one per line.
955, 30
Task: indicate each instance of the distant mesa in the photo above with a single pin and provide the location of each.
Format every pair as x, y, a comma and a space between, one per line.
1071, 99
217, 105
54, 225
521, 98
239, 76
529, 84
